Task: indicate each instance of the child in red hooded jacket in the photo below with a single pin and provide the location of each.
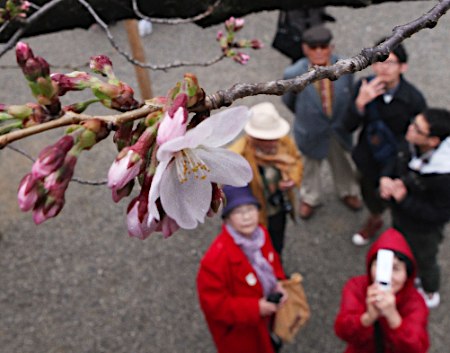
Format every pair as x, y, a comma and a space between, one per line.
373, 320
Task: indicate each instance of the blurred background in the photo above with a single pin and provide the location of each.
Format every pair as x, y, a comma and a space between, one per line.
78, 283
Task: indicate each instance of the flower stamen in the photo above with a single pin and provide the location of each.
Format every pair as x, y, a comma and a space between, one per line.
187, 162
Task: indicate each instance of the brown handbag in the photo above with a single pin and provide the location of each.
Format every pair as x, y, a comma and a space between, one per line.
295, 312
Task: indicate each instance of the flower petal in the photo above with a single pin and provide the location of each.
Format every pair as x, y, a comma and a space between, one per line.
225, 167
226, 125
171, 127
186, 203
154, 192
215, 131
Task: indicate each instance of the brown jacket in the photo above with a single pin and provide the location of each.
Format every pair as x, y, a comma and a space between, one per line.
287, 146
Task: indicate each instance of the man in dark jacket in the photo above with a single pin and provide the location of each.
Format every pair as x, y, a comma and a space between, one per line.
389, 99
419, 188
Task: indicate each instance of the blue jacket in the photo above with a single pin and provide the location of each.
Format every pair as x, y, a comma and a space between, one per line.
312, 127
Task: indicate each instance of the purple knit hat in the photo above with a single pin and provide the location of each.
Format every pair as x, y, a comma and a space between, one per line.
237, 196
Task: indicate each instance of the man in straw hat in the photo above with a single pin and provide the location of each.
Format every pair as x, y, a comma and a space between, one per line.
318, 126
276, 165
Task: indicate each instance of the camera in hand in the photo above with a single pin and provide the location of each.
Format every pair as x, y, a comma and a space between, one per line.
383, 273
274, 297
279, 199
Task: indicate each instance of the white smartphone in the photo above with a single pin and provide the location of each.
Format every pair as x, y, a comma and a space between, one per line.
385, 262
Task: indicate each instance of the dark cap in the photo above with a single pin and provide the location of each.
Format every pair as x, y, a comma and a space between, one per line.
317, 35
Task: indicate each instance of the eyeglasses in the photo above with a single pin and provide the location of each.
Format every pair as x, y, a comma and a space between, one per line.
418, 130
242, 211
317, 46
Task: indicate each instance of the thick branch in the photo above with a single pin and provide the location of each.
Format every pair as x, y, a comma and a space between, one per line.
357, 63
279, 87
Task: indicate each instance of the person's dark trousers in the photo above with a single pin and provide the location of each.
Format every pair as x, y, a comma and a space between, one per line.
276, 228
371, 195
425, 247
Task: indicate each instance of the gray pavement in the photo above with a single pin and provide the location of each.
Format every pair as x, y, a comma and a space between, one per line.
78, 283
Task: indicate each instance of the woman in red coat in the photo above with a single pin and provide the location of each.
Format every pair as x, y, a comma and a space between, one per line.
238, 272
373, 320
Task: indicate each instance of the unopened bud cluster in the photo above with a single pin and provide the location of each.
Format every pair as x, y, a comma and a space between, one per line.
14, 10
42, 190
48, 88
228, 42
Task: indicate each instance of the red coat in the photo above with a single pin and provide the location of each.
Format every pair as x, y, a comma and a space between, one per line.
229, 292
411, 336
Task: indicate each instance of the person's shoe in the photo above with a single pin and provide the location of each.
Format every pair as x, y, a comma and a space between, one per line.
432, 300
372, 225
306, 210
352, 202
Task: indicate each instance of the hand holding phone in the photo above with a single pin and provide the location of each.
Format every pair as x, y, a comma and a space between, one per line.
274, 297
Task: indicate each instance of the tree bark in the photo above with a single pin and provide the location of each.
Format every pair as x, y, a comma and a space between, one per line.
71, 14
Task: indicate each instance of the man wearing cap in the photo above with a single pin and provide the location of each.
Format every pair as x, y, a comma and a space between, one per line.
276, 165
318, 126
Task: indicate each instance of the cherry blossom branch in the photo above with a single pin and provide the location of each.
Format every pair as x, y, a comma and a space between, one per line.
175, 21
241, 90
133, 61
27, 23
70, 118
357, 63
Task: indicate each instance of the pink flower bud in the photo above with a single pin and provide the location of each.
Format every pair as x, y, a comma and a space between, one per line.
256, 44
219, 35
25, 6
101, 64
137, 213
119, 194
239, 24
180, 101
75, 81
230, 23
124, 169
49, 208
241, 58
23, 53
27, 194
124, 101
169, 226
171, 128
52, 157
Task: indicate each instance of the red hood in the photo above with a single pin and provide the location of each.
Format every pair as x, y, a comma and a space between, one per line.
391, 239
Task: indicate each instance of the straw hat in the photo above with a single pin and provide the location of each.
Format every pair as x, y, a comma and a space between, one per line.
265, 123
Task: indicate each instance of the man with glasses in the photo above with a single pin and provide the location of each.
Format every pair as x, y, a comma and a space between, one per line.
318, 125
418, 187
385, 98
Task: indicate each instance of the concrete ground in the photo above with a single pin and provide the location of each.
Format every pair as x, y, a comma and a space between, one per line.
78, 283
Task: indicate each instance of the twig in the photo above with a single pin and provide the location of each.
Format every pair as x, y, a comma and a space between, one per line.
127, 56
175, 21
30, 20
